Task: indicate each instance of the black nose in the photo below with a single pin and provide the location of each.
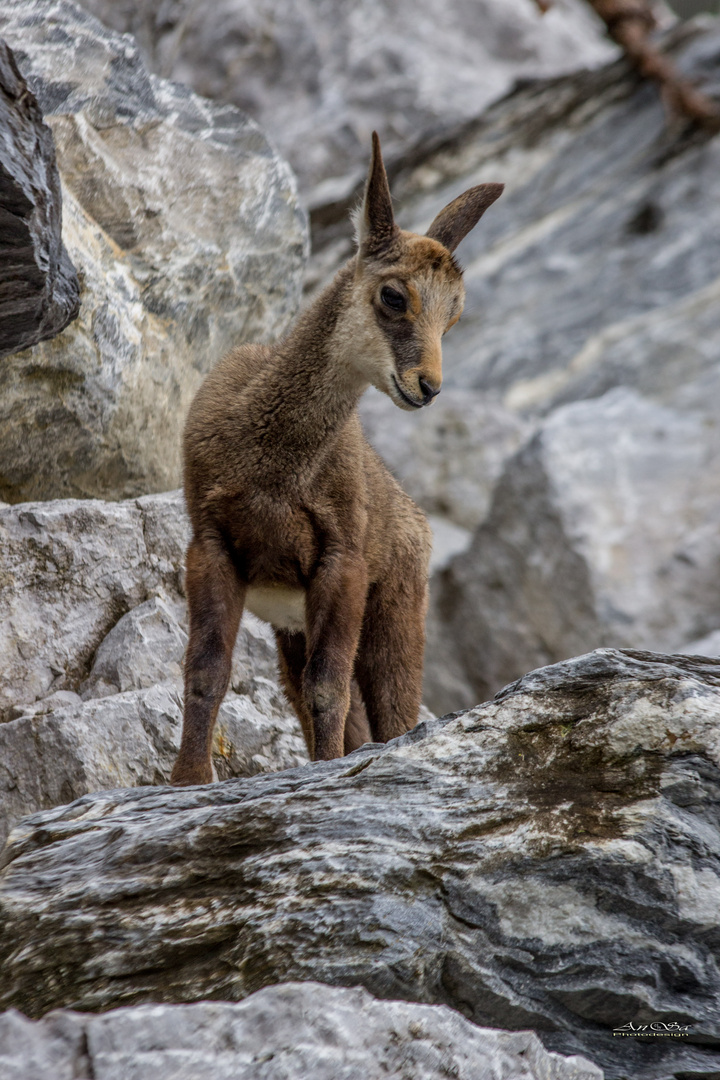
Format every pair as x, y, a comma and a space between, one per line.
427, 391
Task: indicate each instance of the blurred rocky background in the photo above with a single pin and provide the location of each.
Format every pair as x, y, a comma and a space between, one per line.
202, 160
320, 76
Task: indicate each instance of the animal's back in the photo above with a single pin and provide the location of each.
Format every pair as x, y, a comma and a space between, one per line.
210, 448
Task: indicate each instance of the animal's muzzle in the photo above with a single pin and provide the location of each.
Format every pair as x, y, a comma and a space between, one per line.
428, 392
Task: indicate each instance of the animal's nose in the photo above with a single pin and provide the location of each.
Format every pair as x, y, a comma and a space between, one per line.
428, 391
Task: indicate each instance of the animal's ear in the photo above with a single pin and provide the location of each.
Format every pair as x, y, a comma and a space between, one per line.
374, 222
461, 215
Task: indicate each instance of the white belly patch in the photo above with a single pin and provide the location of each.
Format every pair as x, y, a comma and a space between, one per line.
282, 607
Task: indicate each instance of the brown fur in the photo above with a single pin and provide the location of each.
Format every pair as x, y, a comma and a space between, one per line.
286, 496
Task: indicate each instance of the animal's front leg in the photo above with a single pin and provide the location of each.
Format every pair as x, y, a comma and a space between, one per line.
215, 601
335, 604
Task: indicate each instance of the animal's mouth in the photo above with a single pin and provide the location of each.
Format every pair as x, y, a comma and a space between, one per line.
406, 397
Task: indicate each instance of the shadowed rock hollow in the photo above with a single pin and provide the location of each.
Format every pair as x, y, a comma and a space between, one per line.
547, 860
39, 283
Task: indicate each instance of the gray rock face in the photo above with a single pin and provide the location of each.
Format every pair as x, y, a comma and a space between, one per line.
448, 457
603, 531
297, 1030
70, 571
321, 77
185, 226
39, 294
92, 637
597, 271
550, 860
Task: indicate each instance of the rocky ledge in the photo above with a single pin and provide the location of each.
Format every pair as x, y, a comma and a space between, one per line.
289, 1032
548, 860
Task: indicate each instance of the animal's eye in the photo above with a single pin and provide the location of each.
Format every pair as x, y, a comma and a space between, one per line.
393, 299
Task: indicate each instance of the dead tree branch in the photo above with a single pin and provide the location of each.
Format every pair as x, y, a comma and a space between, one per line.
630, 23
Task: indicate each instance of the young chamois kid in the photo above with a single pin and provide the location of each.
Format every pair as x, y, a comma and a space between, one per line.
293, 514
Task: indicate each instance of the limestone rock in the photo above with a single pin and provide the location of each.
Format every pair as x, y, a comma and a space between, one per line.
549, 860
447, 457
595, 286
603, 531
289, 1032
185, 226
448, 540
70, 571
60, 749
39, 286
321, 77
92, 637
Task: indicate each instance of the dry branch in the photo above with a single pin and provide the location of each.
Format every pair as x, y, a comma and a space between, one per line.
630, 23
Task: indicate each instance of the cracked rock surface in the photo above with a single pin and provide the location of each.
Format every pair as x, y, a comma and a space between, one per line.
549, 860
184, 224
289, 1032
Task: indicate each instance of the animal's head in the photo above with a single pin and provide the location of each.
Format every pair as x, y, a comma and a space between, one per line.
408, 288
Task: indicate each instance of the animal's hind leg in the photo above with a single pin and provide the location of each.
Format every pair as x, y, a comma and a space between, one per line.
291, 663
215, 600
389, 664
357, 727
292, 659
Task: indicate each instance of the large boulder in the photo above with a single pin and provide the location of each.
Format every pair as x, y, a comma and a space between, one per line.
604, 531
321, 77
184, 224
39, 284
549, 860
290, 1032
92, 636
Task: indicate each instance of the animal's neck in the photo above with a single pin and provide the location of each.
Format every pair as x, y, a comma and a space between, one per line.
311, 386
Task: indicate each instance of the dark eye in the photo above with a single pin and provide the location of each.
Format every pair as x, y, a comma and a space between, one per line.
393, 299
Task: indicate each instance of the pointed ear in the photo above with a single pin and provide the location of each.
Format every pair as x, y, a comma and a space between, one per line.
461, 215
374, 223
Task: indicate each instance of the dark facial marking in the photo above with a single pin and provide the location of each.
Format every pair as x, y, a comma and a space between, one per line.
401, 335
